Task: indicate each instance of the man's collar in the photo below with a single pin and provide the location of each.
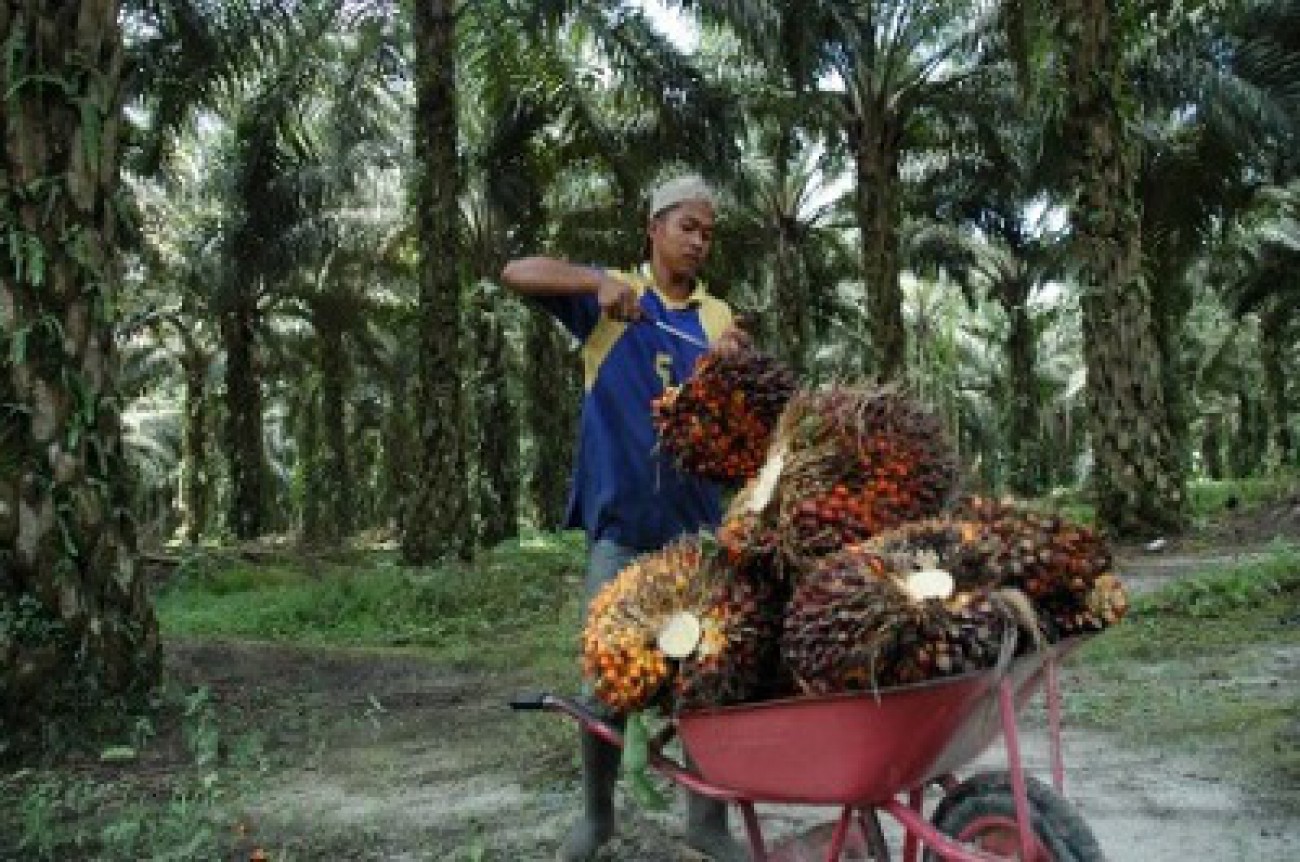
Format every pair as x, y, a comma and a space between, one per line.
697, 295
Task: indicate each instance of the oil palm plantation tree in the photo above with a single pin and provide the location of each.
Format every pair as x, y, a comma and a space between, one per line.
889, 67
79, 634
1137, 480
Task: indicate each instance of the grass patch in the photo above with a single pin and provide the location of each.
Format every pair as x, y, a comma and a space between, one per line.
1209, 497
1208, 663
517, 604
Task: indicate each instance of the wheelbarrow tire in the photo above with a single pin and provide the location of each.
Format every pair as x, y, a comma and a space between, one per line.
987, 798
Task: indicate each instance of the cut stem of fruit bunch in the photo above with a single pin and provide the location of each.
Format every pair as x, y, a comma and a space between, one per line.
855, 461
674, 628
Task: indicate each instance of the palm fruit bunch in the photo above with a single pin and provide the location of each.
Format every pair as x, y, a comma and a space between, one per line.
847, 464
676, 628
1065, 569
621, 649
717, 425
739, 657
856, 622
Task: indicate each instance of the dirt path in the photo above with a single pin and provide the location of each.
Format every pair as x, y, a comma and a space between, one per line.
383, 756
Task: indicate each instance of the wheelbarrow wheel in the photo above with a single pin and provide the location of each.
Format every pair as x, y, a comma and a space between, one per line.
981, 813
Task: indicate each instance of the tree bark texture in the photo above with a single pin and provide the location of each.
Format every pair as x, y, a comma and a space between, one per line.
195, 472
1137, 482
790, 298
337, 479
498, 427
877, 139
438, 519
552, 390
310, 469
244, 446
1273, 348
78, 637
1023, 429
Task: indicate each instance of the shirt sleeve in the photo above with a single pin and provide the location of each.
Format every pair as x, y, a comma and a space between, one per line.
578, 313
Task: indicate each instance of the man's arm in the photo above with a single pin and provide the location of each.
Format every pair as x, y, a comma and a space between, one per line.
547, 276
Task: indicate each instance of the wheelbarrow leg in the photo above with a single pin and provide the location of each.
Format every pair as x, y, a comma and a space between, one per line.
841, 832
911, 846
869, 820
1010, 734
757, 851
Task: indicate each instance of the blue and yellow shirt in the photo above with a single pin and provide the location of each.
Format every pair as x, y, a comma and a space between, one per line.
624, 488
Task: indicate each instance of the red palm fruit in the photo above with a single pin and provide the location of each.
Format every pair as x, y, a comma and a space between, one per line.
719, 423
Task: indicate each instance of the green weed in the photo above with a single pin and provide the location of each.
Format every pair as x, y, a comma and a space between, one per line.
518, 603
1205, 663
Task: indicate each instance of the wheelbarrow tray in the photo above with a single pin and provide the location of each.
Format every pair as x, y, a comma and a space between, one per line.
862, 748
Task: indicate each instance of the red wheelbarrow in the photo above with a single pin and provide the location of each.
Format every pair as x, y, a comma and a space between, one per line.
871, 752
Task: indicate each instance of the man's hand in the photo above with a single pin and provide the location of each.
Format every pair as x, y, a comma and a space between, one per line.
618, 299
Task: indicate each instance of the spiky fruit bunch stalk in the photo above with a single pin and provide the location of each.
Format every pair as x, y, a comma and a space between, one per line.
1065, 569
852, 624
719, 423
739, 655
620, 649
847, 464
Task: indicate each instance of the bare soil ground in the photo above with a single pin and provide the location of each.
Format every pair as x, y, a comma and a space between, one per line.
385, 756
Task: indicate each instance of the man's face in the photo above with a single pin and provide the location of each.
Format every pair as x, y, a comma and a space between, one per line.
681, 236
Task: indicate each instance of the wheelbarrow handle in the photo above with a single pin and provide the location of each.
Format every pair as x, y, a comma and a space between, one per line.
526, 702
591, 721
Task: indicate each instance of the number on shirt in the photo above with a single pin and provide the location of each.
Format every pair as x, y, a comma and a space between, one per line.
664, 365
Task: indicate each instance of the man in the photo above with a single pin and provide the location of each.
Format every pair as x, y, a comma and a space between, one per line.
628, 497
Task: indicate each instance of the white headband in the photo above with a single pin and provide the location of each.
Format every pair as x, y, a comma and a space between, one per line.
679, 189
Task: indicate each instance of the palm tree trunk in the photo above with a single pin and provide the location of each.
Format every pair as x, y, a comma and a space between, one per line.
877, 142
310, 470
1250, 443
245, 454
77, 633
438, 517
1137, 481
1023, 415
398, 443
194, 445
1212, 446
551, 386
789, 291
336, 481
498, 428
1273, 331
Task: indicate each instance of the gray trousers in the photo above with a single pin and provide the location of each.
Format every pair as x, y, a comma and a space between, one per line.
605, 559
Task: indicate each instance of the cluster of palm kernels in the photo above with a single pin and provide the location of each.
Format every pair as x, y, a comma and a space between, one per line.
862, 461
620, 653
739, 655
852, 625
1065, 569
718, 424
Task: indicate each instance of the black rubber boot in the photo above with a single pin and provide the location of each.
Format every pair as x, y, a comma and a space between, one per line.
707, 832
600, 762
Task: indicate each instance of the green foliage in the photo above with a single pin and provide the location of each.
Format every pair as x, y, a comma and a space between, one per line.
1218, 594
27, 621
517, 602
1210, 497
1201, 664
67, 814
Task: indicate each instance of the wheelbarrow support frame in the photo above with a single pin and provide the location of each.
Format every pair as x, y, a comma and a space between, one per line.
918, 831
